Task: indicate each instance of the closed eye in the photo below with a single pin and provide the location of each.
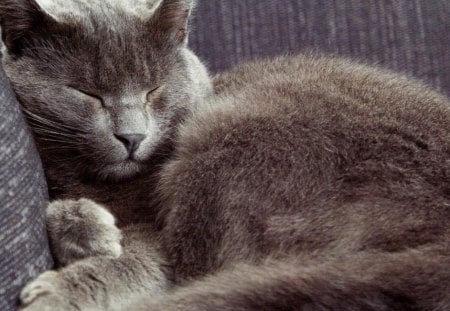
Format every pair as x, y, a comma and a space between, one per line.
156, 92
99, 99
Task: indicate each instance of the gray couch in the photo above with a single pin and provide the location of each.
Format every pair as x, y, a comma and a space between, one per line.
411, 36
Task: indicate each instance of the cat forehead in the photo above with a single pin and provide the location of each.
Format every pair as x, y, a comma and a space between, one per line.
105, 9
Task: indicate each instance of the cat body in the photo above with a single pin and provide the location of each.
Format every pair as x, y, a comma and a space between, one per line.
299, 183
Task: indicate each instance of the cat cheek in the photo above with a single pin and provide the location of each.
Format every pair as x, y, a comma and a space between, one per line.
157, 105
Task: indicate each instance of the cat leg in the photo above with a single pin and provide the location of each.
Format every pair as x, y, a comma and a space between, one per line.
81, 229
409, 280
103, 282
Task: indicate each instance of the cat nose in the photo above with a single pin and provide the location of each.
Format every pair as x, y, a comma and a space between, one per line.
131, 141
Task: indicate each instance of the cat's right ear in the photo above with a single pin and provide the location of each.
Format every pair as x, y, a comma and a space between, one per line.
170, 20
22, 22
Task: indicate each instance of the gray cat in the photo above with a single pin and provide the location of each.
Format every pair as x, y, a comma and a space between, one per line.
301, 183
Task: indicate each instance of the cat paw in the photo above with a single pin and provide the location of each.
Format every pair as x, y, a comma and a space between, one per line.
46, 293
43, 285
42, 294
82, 229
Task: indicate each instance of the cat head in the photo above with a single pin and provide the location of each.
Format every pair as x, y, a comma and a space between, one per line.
102, 87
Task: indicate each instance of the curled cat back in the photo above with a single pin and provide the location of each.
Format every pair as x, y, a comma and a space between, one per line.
100, 82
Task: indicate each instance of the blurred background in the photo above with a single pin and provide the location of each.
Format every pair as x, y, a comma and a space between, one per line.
409, 36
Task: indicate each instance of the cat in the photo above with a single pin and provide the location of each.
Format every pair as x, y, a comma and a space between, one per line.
299, 183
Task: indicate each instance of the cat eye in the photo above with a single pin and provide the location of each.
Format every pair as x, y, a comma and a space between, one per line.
90, 95
154, 94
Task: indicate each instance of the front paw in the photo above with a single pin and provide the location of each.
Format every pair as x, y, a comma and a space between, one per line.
44, 294
44, 285
81, 229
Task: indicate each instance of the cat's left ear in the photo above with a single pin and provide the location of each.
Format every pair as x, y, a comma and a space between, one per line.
170, 20
22, 23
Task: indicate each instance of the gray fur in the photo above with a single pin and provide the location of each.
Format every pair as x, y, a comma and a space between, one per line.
301, 183
113, 63
97, 234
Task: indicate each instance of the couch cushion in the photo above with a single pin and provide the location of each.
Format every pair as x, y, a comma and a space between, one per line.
24, 249
405, 35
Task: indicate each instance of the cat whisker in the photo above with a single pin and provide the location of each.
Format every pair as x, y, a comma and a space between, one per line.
51, 123
57, 140
44, 131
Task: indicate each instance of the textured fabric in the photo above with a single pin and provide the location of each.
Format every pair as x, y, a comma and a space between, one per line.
24, 249
410, 36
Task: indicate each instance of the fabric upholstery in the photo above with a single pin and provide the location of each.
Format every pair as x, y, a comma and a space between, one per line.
24, 251
410, 36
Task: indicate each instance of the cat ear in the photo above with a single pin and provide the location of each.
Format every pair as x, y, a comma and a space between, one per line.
22, 21
170, 20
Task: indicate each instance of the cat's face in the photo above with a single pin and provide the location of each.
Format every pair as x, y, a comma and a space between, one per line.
103, 90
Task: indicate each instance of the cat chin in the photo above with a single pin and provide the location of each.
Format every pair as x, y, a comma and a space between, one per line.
121, 171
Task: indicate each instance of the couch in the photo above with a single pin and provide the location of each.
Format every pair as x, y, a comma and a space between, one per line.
409, 36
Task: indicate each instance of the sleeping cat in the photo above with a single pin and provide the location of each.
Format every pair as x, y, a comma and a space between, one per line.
300, 183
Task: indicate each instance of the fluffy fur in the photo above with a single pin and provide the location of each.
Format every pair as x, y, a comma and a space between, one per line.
300, 183
108, 76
